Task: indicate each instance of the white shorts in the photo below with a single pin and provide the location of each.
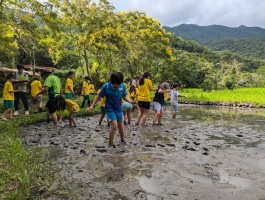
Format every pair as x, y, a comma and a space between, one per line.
157, 107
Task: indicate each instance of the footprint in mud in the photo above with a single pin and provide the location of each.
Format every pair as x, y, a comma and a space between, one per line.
161, 145
171, 145
140, 194
150, 145
196, 143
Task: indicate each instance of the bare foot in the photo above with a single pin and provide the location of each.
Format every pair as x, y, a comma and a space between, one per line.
3, 118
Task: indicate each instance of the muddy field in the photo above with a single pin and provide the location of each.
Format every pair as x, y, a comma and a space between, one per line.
204, 154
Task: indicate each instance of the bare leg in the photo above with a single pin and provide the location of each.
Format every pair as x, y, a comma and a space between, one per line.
160, 118
156, 116
112, 130
74, 122
40, 105
101, 119
54, 118
4, 115
129, 116
121, 130
139, 116
48, 115
174, 114
34, 107
125, 117
11, 114
145, 113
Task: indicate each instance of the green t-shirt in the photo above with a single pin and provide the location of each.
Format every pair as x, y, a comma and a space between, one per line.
54, 84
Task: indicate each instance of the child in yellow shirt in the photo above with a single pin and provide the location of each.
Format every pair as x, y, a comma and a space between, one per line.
69, 86
87, 89
102, 108
72, 108
8, 96
36, 87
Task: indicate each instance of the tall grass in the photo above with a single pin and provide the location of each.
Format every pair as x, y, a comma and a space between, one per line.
25, 172
241, 95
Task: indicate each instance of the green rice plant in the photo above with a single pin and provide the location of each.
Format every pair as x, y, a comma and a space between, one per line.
241, 95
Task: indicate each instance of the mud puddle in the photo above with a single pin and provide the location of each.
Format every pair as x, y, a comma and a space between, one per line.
205, 153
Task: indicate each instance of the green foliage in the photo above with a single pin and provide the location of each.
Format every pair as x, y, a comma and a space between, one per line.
242, 95
246, 47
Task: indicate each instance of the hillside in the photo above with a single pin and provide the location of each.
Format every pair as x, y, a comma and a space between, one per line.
205, 34
247, 47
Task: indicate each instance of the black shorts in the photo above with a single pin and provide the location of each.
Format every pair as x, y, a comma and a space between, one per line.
52, 105
144, 104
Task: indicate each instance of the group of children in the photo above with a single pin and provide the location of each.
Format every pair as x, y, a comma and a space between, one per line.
117, 100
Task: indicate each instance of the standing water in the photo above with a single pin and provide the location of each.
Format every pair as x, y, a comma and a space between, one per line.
205, 153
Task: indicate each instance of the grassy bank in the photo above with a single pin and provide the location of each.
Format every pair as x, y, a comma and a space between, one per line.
242, 95
25, 172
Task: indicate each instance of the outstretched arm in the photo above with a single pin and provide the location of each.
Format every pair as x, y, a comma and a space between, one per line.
93, 104
163, 91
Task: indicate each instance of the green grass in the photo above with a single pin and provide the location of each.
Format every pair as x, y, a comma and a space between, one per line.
242, 95
25, 172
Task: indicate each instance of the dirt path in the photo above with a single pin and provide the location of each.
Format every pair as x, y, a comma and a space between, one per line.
203, 154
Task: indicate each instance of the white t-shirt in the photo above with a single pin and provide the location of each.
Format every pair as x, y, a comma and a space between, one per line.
174, 97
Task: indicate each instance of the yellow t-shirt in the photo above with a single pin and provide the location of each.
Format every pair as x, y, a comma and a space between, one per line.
91, 88
85, 88
35, 87
102, 100
135, 94
71, 106
145, 90
69, 82
8, 93
127, 86
166, 96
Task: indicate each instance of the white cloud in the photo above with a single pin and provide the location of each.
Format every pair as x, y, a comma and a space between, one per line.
202, 12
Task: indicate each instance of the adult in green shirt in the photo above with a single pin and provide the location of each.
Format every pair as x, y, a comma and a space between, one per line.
53, 86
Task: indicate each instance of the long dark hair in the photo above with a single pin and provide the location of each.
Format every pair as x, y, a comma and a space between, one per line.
61, 104
145, 75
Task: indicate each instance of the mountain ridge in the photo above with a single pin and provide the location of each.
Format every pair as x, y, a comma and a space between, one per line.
205, 34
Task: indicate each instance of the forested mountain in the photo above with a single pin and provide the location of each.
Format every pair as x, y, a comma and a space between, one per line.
247, 47
204, 34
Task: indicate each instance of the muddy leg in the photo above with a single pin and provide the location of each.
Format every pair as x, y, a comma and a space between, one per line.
113, 128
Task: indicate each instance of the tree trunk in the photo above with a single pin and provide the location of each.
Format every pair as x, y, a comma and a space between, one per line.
86, 61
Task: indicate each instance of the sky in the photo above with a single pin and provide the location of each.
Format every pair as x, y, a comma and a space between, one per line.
232, 13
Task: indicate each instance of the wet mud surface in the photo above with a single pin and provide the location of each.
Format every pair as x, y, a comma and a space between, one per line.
203, 154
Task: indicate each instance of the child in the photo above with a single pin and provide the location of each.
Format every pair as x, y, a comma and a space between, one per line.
158, 102
36, 87
102, 108
114, 91
85, 92
91, 88
134, 96
127, 85
8, 96
69, 86
72, 108
145, 87
174, 99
